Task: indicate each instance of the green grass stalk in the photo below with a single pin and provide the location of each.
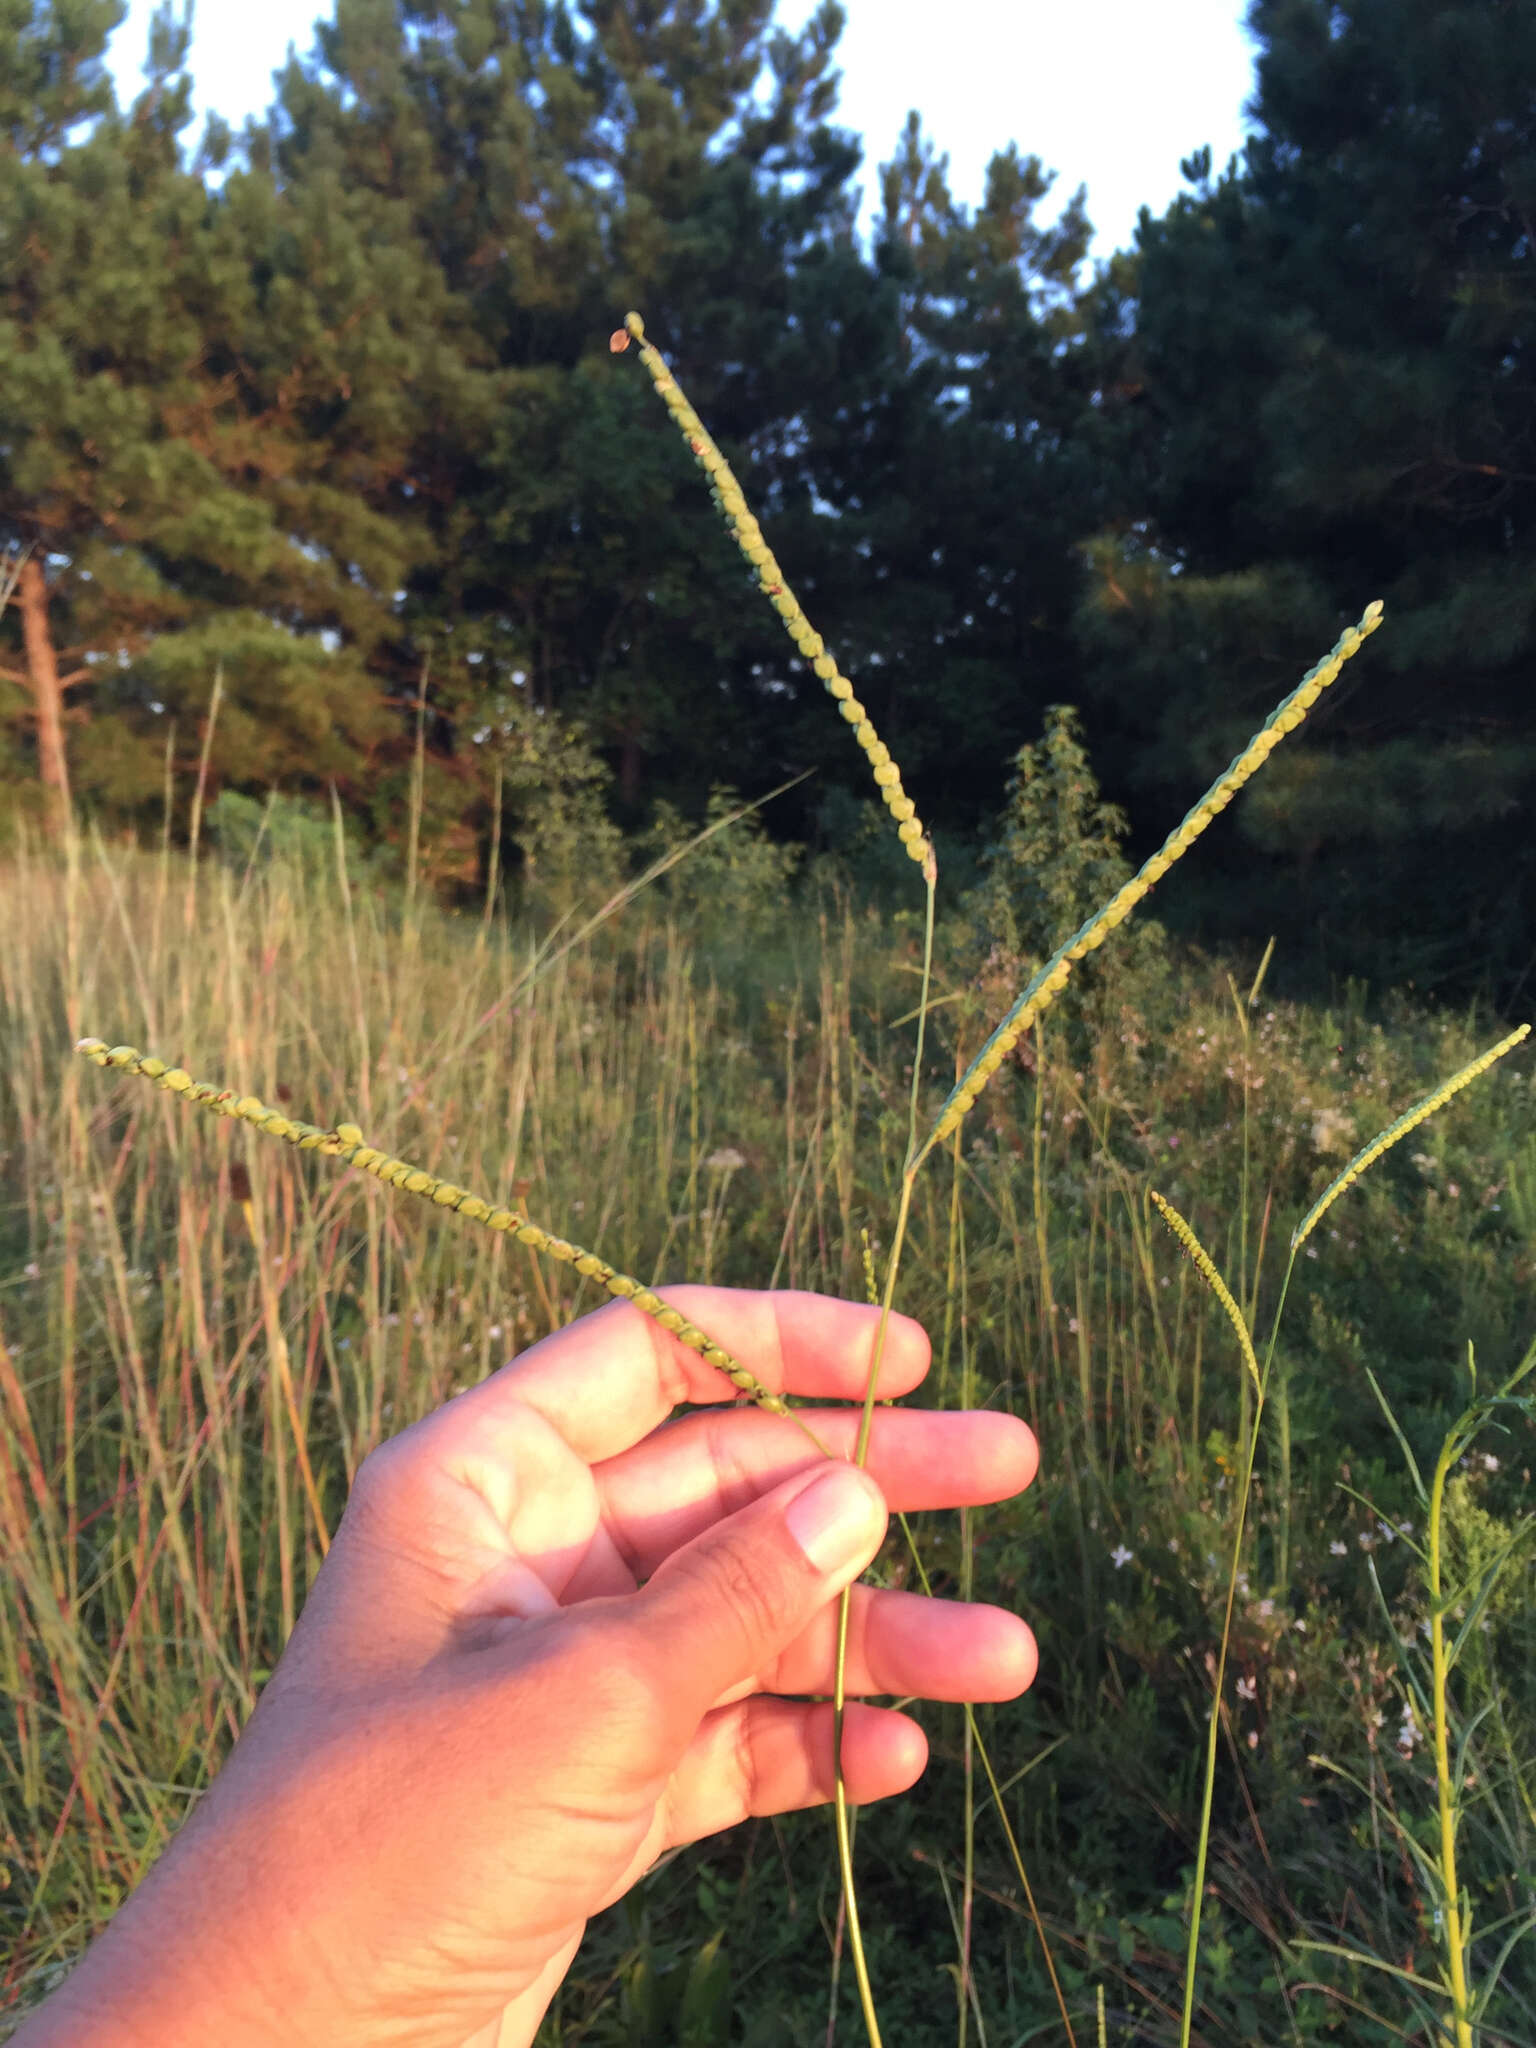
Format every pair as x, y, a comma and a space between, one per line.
1458, 1935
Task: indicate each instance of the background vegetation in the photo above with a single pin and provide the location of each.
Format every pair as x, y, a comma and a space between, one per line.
367, 628
325, 411
200, 1337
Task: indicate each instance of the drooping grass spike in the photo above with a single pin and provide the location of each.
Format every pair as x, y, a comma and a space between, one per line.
345, 1142
1409, 1120
748, 536
1052, 978
1205, 1266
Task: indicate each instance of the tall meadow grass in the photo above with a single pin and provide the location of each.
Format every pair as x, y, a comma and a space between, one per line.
1236, 1756
202, 1334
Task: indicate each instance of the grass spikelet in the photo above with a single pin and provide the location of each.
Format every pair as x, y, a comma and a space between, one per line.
748, 536
1052, 978
1205, 1266
345, 1142
1409, 1120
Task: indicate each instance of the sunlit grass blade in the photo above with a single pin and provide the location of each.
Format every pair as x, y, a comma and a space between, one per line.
1206, 1267
549, 955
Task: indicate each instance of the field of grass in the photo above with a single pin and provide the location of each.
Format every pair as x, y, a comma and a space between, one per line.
202, 1334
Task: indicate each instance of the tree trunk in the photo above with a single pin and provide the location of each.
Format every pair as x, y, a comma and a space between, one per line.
631, 761
47, 691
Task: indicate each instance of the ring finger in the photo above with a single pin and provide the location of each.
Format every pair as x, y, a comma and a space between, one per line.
907, 1646
766, 1756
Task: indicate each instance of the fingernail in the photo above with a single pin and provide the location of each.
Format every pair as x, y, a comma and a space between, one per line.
836, 1518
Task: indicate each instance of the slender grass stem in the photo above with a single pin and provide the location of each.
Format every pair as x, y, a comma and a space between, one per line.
1002, 1814
1445, 1789
861, 1454
1202, 1847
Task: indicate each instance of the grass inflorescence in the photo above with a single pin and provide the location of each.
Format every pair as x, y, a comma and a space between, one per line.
1043, 988
345, 1142
748, 536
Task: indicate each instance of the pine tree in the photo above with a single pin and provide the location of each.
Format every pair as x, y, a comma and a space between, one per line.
938, 427
51, 79
209, 407
559, 165
1328, 398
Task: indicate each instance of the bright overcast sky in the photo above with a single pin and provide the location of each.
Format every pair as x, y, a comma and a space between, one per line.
1108, 93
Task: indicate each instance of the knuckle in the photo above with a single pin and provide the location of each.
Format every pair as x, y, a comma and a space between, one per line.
743, 1595
383, 1480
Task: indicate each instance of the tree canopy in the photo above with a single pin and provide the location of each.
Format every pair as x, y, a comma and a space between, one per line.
1327, 395
325, 413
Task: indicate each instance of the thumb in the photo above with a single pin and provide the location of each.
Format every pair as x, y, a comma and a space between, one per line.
724, 1606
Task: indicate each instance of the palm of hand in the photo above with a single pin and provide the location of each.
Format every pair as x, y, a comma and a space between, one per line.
482, 1732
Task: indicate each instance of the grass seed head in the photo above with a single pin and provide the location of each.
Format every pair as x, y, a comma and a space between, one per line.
345, 1142
747, 534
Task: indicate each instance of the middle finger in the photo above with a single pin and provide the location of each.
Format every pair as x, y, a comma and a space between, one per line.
688, 1475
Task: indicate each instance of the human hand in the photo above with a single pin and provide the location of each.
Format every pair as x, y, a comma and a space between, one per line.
545, 1649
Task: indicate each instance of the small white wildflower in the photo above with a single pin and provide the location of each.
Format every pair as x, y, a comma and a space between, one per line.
1300, 1625
725, 1159
1120, 1556
1339, 1549
1247, 1688
32, 1270
1253, 1738
1490, 1462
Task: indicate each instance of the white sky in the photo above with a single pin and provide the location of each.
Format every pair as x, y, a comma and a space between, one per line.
1108, 93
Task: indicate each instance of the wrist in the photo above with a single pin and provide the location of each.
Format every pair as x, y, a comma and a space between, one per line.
180, 1962
137, 1987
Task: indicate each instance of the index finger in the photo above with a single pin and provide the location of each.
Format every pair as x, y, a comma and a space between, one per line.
607, 1381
